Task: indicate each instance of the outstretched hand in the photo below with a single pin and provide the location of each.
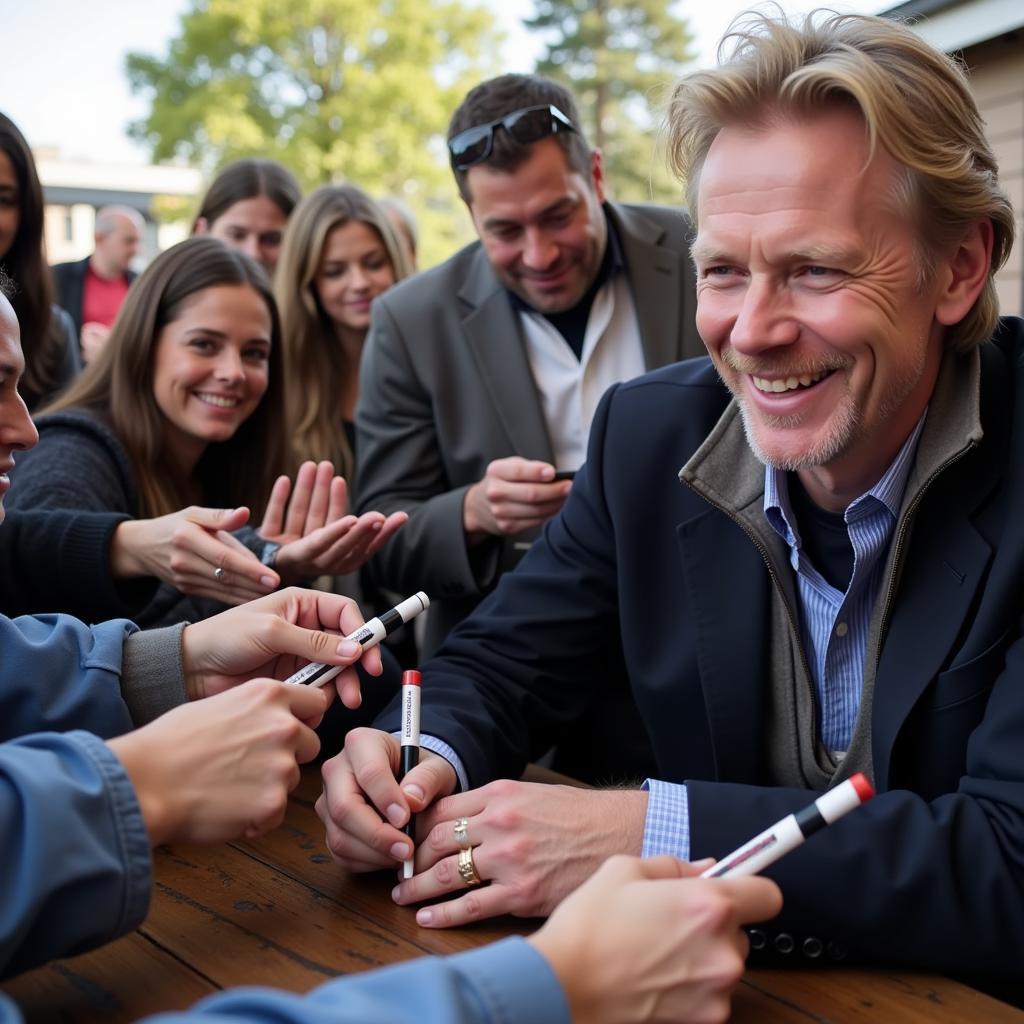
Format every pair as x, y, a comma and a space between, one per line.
194, 552
313, 527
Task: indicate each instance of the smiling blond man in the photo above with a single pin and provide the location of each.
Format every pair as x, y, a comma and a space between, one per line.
812, 571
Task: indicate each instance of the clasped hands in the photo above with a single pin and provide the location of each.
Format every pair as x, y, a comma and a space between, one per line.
532, 843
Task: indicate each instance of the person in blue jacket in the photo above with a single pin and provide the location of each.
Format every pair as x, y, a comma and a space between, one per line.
641, 940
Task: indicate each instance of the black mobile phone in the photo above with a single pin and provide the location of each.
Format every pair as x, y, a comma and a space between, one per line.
565, 474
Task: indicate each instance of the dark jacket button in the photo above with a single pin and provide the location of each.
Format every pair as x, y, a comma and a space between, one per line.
758, 939
813, 948
784, 943
836, 950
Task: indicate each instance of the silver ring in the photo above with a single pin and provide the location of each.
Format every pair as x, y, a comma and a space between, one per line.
461, 829
218, 574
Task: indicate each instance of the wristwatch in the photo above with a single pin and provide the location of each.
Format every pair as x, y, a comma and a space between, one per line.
268, 553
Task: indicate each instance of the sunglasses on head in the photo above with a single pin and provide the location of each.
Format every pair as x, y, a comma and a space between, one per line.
531, 124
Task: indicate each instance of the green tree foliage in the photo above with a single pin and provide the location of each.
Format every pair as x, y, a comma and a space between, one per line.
335, 89
620, 58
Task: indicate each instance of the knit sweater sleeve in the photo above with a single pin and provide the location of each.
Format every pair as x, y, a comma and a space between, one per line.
80, 464
77, 464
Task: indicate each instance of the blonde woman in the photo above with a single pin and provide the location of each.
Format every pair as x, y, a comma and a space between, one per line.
340, 252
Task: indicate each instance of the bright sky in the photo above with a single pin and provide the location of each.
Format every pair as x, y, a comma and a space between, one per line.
62, 75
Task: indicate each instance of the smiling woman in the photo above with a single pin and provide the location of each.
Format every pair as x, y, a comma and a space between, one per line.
185, 407
340, 252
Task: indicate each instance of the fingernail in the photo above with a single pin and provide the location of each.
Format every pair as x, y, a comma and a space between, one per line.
400, 851
704, 862
424, 916
377, 526
268, 581
396, 892
414, 791
348, 648
396, 814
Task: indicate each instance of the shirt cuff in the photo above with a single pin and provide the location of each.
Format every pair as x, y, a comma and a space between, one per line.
667, 827
436, 746
131, 831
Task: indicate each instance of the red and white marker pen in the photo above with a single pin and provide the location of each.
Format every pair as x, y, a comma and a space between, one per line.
791, 831
410, 748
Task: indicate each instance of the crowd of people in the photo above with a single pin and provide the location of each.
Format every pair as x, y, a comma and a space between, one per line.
714, 503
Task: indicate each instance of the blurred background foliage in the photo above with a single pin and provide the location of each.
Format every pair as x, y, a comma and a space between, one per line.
350, 90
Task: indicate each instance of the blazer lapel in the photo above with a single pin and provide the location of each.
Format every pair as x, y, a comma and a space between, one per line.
948, 562
656, 283
948, 558
496, 345
728, 595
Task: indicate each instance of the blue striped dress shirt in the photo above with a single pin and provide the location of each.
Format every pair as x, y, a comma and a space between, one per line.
834, 627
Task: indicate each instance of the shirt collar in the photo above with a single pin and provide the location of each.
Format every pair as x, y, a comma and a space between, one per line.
888, 491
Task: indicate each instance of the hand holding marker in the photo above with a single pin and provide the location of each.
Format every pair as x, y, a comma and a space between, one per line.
369, 635
787, 834
410, 749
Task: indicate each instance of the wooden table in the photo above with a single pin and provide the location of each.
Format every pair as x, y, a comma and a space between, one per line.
278, 912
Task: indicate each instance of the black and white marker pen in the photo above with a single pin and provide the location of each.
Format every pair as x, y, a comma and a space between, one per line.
410, 749
369, 635
791, 831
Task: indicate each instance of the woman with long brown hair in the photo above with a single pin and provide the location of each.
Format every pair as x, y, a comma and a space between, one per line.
47, 333
340, 252
185, 406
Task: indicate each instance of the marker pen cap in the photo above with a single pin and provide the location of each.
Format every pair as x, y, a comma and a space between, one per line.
864, 788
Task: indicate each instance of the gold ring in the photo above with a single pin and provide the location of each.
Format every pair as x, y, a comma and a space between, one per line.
466, 868
461, 830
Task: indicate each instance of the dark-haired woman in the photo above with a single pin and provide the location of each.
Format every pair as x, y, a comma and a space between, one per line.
48, 337
247, 207
185, 407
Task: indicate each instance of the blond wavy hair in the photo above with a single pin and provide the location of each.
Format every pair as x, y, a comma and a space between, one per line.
916, 105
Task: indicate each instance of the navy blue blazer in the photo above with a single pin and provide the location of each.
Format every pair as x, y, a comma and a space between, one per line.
639, 574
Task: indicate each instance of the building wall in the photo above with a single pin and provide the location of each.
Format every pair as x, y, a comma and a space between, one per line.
997, 78
74, 190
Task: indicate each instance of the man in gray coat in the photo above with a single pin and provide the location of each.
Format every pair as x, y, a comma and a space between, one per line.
480, 377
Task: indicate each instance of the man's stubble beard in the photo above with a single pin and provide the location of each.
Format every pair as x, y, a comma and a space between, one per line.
842, 431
